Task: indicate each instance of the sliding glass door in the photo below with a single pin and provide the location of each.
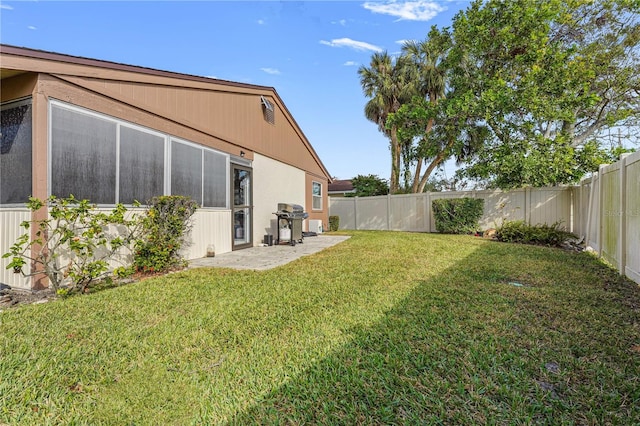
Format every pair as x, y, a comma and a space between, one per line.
242, 208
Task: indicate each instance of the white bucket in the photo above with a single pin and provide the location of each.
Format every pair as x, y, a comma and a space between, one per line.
285, 234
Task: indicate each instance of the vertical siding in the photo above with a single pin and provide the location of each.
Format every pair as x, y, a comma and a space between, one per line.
209, 227
10, 220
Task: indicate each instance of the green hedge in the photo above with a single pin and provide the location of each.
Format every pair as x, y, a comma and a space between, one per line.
334, 223
519, 232
165, 226
457, 215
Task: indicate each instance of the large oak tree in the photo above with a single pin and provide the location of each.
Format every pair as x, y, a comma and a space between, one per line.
524, 92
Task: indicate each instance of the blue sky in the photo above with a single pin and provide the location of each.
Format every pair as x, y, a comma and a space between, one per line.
308, 51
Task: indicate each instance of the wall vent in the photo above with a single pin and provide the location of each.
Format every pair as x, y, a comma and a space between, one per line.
268, 110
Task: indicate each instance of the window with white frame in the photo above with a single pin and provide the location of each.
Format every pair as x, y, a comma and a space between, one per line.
316, 192
15, 152
108, 161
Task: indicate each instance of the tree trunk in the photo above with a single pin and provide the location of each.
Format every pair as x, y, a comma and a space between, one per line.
416, 176
418, 186
395, 161
436, 161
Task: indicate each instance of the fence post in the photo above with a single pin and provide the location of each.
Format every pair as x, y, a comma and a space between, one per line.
427, 211
388, 212
355, 212
622, 231
600, 208
589, 209
571, 209
527, 205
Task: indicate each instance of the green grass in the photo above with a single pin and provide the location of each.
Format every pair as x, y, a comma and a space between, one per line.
385, 328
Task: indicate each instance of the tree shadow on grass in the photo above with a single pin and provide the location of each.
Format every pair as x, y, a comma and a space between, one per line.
468, 347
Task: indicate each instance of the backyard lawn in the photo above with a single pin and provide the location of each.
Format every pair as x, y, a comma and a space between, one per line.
384, 328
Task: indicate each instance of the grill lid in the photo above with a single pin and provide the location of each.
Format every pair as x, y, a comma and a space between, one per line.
293, 211
290, 208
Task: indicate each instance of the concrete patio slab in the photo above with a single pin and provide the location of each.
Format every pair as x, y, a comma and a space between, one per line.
261, 258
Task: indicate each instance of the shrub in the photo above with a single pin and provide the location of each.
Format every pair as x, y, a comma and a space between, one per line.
334, 223
164, 228
519, 232
75, 244
457, 215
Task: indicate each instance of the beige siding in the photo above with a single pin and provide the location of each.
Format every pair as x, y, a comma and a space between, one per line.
10, 220
209, 227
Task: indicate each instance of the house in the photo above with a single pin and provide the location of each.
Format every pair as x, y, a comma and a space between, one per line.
340, 188
115, 133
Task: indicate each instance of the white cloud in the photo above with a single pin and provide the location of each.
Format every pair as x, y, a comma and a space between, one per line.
6, 7
415, 10
272, 71
31, 27
353, 44
350, 64
342, 22
261, 22
402, 42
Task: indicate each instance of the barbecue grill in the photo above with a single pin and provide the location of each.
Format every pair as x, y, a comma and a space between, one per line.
290, 217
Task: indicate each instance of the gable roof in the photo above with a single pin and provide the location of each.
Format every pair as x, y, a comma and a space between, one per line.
76, 68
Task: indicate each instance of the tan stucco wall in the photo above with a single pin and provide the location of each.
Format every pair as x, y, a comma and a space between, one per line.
322, 214
274, 182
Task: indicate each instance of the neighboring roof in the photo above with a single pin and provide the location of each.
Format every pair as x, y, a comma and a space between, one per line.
341, 186
115, 66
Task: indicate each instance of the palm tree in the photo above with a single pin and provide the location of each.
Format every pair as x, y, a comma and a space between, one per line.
386, 82
429, 70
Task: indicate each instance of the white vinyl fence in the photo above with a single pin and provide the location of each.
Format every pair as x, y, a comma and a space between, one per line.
609, 206
604, 209
412, 212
